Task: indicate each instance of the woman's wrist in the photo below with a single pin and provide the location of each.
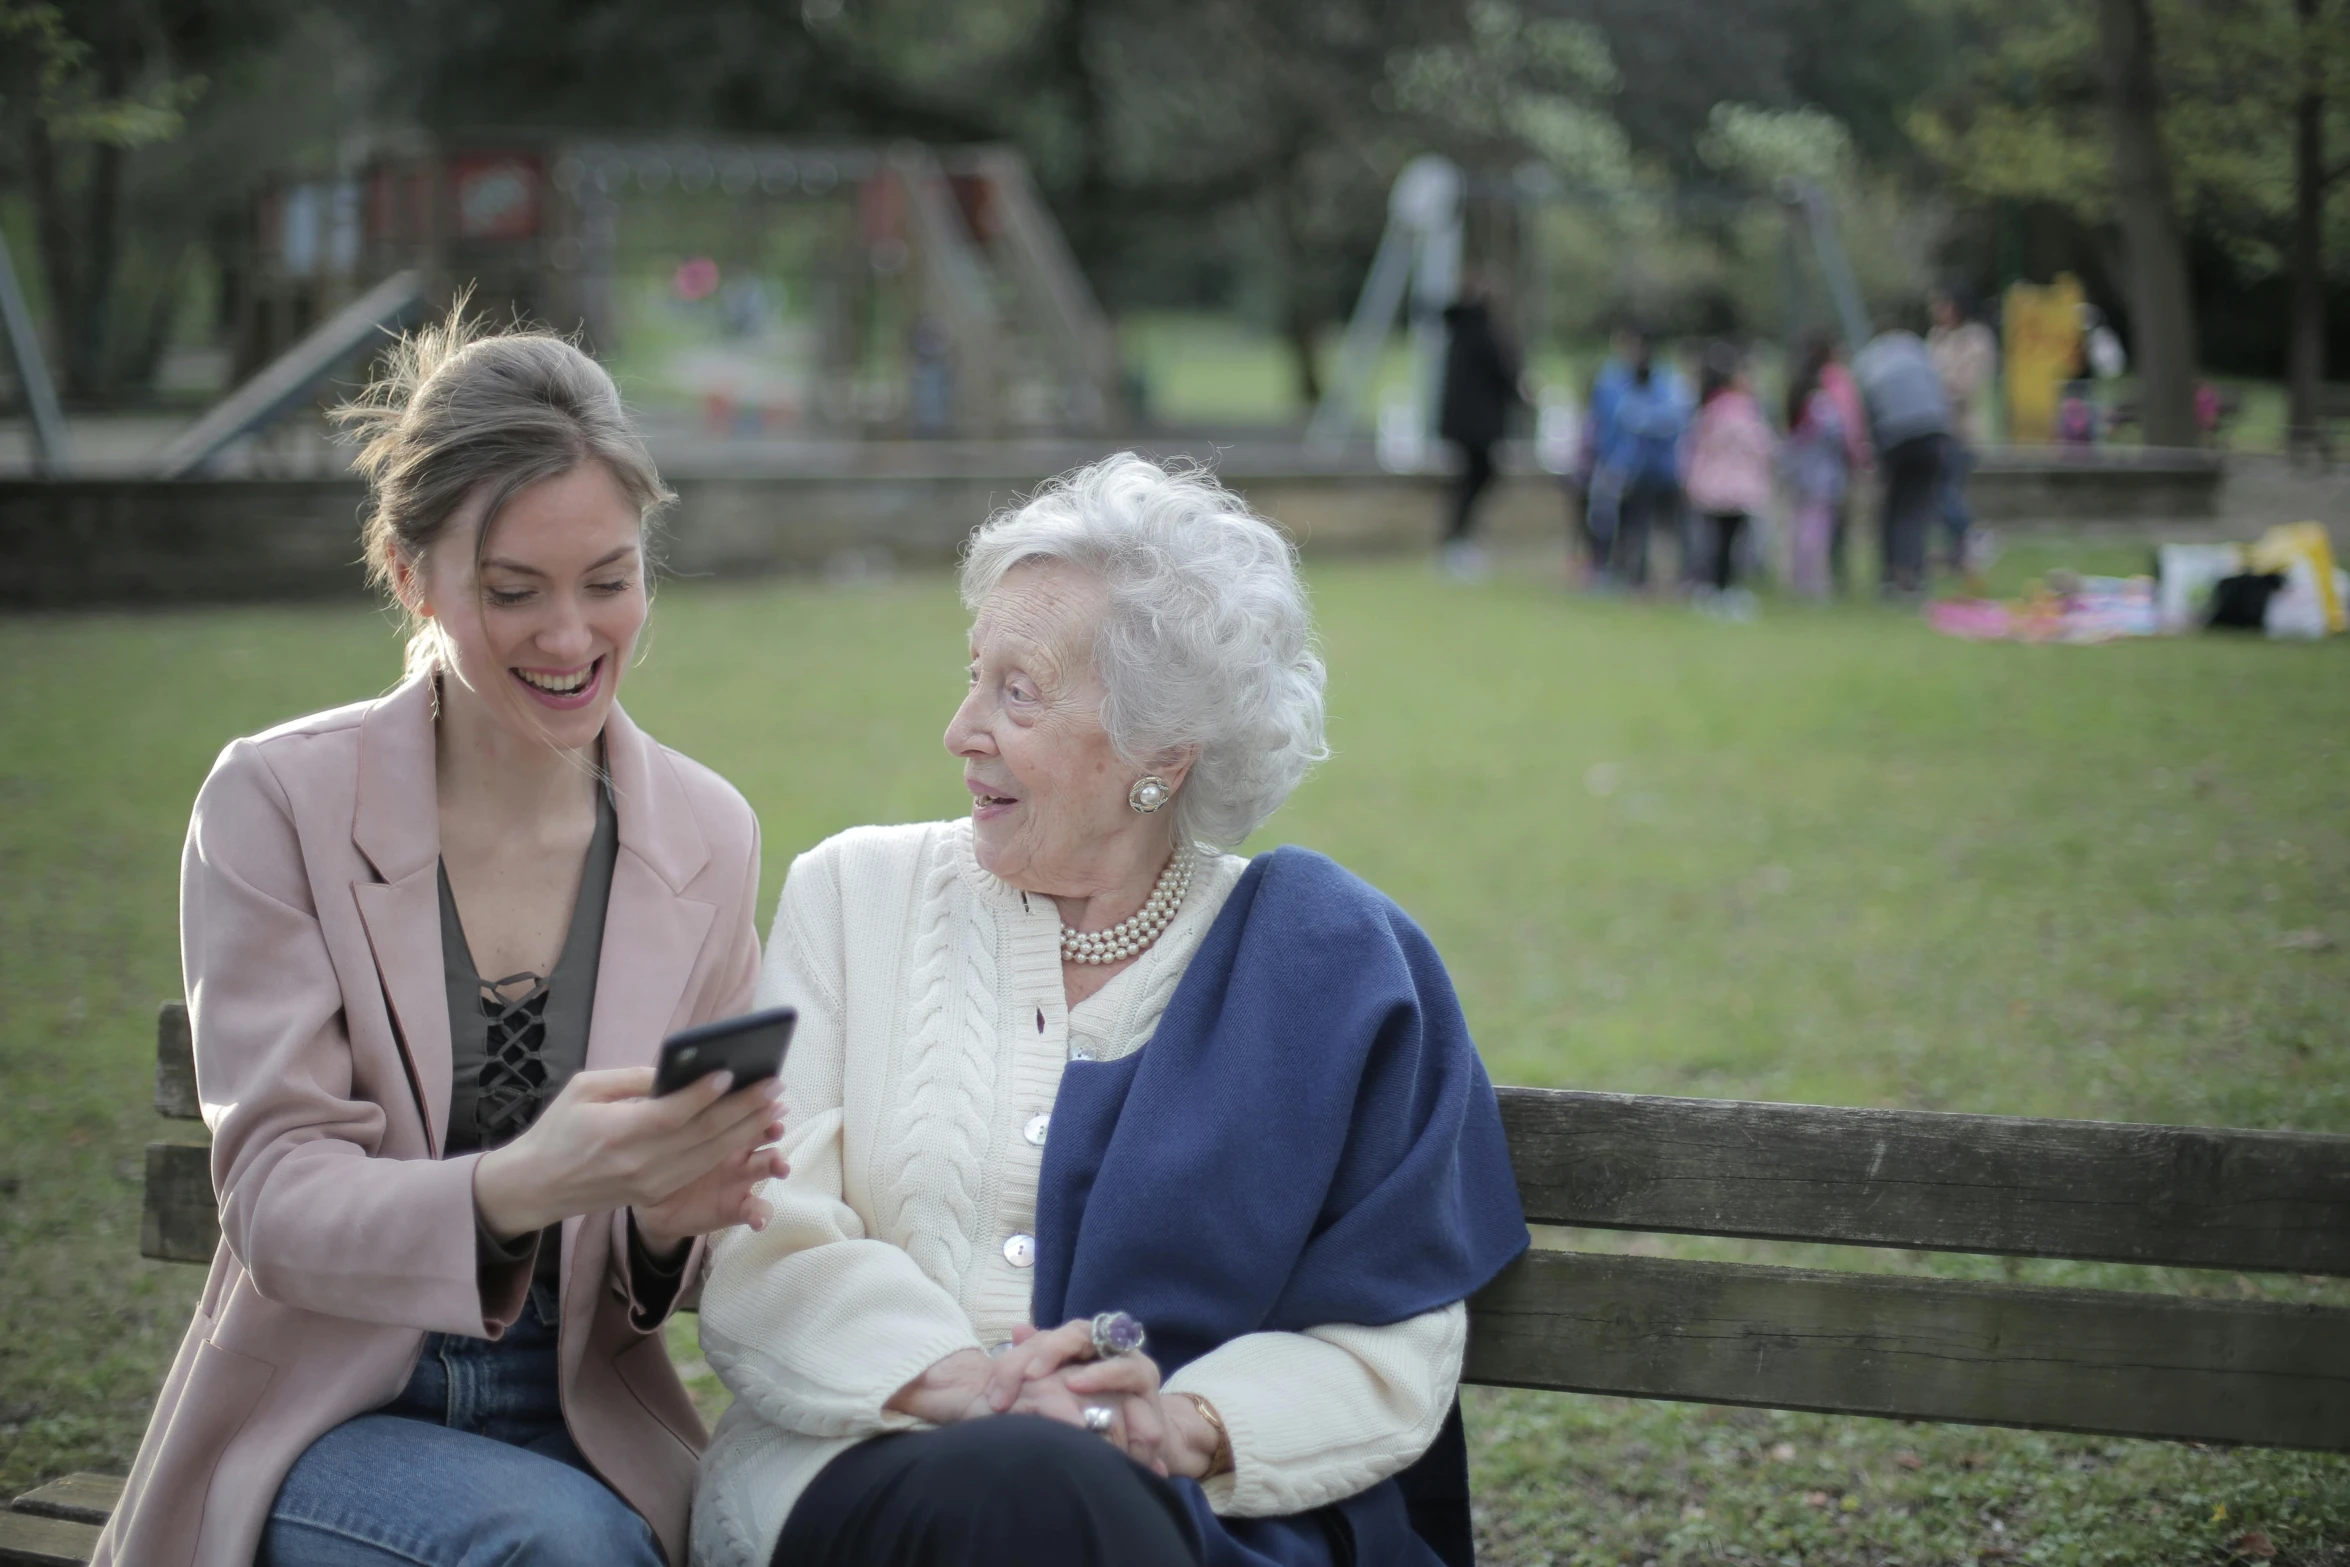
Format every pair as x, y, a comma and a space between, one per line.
947, 1391
659, 1244
505, 1197
1204, 1436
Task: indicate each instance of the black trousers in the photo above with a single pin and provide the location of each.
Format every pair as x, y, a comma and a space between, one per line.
1913, 499
1013, 1491
1476, 473
1727, 526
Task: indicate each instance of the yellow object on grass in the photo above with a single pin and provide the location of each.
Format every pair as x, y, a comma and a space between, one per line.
2282, 546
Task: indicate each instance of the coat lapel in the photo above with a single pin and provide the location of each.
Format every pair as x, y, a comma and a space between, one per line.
652, 933
403, 920
652, 936
396, 824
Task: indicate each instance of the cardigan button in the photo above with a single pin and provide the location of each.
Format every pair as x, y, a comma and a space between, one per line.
1035, 1129
1020, 1251
1081, 1052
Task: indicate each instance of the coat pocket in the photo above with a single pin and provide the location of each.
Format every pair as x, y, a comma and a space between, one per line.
222, 1388
164, 1518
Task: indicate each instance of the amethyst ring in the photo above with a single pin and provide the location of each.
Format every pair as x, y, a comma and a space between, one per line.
1116, 1333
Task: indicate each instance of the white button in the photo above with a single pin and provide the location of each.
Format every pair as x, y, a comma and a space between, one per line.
1034, 1130
1080, 1053
1020, 1251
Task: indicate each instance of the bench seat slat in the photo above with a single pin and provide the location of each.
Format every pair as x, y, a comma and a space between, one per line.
78, 1498
27, 1540
175, 1065
2100, 1361
2274, 1202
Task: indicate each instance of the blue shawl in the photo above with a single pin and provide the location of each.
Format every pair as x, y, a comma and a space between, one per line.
1308, 1138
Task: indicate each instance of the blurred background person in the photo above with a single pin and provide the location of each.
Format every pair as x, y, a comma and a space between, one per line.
1834, 377
1480, 388
1728, 474
1909, 425
1589, 530
1966, 356
1818, 462
1640, 436
1603, 485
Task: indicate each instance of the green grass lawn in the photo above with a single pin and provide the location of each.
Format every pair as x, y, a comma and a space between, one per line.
1824, 857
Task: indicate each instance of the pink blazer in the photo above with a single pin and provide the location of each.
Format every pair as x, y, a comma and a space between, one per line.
310, 934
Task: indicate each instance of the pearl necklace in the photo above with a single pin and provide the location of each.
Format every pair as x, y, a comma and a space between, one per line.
1135, 933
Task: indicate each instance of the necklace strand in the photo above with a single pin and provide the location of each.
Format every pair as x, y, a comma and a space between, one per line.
1136, 932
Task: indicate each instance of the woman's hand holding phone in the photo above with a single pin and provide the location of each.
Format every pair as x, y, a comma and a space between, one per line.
688, 1162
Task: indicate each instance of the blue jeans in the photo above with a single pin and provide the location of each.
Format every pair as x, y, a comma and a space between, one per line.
471, 1466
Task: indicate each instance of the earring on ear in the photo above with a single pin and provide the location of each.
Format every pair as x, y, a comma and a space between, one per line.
1150, 792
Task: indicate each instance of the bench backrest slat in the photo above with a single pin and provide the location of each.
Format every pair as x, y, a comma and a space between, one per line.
2102, 1361
180, 1220
175, 1065
2193, 1197
2108, 1362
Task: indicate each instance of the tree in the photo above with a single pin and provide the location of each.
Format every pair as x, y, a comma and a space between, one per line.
2321, 47
2161, 306
2249, 96
75, 111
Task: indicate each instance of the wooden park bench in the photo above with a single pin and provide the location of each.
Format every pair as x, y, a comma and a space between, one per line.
2107, 1362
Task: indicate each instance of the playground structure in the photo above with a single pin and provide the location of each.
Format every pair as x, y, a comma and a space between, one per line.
770, 288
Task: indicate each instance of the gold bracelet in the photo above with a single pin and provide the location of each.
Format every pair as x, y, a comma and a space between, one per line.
1221, 1459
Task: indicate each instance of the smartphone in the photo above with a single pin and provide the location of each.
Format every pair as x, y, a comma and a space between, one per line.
750, 1046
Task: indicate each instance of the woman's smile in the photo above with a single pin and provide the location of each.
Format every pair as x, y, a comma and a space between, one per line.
987, 803
563, 689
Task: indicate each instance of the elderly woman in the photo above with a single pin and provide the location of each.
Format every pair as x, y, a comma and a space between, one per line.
1068, 1062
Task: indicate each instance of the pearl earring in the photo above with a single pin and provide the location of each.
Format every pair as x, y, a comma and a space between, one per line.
1150, 792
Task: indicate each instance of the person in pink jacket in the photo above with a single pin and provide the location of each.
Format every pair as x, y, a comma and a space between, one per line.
432, 943
1727, 460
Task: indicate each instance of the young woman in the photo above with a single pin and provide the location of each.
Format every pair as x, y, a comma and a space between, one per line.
432, 944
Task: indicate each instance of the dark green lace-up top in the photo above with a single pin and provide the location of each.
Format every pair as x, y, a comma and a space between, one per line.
514, 1042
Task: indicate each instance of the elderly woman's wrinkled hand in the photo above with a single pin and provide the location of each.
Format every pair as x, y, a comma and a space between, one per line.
1055, 1374
1137, 1423
1034, 1356
951, 1391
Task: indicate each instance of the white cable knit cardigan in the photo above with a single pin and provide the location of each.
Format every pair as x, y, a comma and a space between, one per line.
933, 1032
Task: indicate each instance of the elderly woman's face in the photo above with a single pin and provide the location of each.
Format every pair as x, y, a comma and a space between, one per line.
1048, 791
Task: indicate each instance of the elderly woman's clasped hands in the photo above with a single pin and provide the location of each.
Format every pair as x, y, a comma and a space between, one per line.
1077, 1374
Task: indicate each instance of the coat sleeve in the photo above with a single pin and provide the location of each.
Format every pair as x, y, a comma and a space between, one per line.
811, 1322
316, 1217
1319, 1416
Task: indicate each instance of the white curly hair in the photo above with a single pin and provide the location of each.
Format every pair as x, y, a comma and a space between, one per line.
1207, 639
